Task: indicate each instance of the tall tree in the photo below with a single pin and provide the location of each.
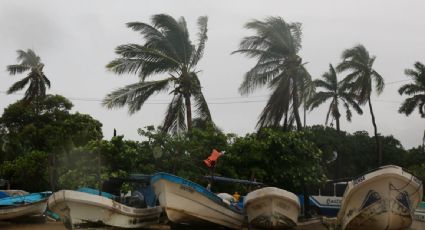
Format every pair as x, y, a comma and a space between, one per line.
29, 62
167, 49
337, 93
416, 90
275, 45
361, 80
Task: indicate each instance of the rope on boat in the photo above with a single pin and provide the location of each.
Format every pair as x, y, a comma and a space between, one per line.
392, 187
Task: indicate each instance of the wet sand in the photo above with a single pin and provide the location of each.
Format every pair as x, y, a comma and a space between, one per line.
310, 225
59, 226
32, 226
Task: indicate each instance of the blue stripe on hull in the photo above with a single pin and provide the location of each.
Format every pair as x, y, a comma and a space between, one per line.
198, 188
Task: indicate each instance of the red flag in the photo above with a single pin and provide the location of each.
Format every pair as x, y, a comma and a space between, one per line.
212, 159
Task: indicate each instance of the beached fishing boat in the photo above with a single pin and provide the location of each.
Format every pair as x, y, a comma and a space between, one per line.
186, 202
77, 209
383, 199
19, 206
272, 208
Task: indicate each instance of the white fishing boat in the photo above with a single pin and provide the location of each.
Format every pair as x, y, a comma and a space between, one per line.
272, 208
186, 202
383, 199
77, 209
23, 206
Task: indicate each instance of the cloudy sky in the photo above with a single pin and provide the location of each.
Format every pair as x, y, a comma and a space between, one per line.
76, 39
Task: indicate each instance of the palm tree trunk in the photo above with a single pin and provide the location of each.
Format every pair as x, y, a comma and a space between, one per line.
295, 104
337, 124
305, 115
285, 122
52, 171
378, 149
188, 112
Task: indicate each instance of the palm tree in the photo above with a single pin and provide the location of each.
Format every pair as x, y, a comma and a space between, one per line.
29, 61
167, 50
416, 90
275, 46
360, 81
337, 92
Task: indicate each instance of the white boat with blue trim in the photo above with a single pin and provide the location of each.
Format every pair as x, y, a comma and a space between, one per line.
18, 206
383, 199
81, 208
272, 208
186, 202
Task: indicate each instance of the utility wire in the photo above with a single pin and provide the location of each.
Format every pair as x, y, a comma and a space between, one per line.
163, 102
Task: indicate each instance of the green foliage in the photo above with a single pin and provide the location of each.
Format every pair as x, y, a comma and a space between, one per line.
28, 172
276, 45
183, 155
167, 49
37, 81
282, 159
337, 93
86, 167
52, 130
416, 90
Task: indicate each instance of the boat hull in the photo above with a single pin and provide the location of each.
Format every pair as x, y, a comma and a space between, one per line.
187, 203
30, 209
78, 209
272, 208
383, 199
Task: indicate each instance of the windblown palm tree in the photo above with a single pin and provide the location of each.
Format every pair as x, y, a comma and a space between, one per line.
169, 51
416, 90
275, 46
361, 81
337, 93
37, 81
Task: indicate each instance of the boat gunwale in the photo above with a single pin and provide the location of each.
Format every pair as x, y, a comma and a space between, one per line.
353, 188
23, 205
255, 199
198, 188
386, 172
151, 210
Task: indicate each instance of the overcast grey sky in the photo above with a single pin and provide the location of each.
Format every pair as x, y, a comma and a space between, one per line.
76, 39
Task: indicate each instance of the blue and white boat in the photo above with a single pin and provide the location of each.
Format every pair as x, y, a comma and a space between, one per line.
33, 204
186, 202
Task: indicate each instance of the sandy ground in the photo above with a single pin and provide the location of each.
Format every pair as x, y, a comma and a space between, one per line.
311, 225
28, 226
60, 226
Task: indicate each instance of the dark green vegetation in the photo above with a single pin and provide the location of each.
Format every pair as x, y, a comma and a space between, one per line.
167, 51
276, 45
44, 146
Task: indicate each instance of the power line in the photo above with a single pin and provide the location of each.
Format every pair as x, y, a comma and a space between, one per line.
164, 102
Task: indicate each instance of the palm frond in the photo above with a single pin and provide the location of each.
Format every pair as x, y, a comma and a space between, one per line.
350, 98
149, 32
176, 33
348, 113
276, 106
18, 85
329, 112
410, 89
258, 76
409, 104
17, 69
379, 82
201, 105
202, 38
134, 95
174, 121
319, 98
142, 60
46, 81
